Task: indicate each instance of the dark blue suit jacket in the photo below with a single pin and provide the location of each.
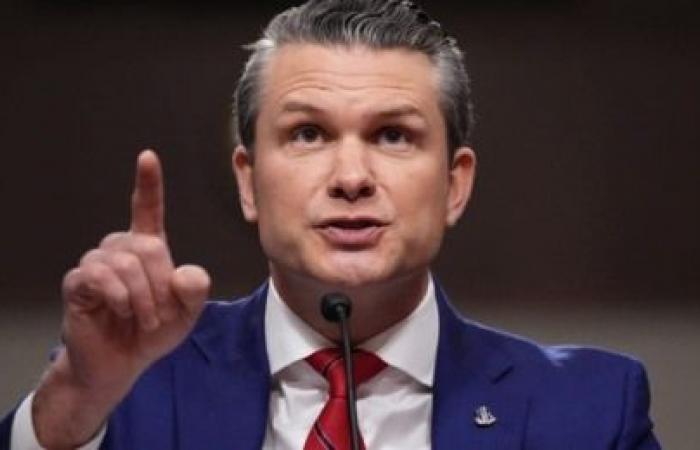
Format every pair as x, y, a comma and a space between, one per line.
212, 392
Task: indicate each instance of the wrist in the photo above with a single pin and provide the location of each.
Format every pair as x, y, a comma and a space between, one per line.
66, 411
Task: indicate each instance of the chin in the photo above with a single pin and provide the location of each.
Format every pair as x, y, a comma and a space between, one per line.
354, 275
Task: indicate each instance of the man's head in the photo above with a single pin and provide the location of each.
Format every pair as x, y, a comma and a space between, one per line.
376, 24
352, 185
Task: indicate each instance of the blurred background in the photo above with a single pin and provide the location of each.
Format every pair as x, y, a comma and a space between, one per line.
584, 223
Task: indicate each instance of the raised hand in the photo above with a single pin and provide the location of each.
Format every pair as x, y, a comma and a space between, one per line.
125, 306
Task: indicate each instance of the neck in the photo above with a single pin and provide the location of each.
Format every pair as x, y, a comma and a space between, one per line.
375, 307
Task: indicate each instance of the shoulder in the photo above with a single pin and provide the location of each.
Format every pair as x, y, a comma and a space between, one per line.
498, 353
565, 360
588, 367
582, 391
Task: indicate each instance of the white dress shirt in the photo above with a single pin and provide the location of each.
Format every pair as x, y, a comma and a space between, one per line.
394, 408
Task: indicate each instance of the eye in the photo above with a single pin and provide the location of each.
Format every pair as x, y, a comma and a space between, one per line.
306, 136
393, 137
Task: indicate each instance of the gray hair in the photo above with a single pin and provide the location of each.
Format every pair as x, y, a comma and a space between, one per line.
378, 24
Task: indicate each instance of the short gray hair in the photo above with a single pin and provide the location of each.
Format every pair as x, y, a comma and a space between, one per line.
379, 24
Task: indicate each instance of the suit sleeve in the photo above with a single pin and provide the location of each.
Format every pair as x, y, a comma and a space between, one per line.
637, 428
5, 430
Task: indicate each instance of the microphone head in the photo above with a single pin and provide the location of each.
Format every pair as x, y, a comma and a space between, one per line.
335, 305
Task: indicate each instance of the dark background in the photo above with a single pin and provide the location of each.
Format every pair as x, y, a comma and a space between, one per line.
584, 222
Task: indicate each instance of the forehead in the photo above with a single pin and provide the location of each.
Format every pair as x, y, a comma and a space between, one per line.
351, 75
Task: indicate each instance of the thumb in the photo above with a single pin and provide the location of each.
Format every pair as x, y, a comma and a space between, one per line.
191, 284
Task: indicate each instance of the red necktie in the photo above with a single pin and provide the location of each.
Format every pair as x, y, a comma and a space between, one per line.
331, 431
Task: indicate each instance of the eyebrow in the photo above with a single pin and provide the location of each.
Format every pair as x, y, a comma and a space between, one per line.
401, 110
398, 110
297, 106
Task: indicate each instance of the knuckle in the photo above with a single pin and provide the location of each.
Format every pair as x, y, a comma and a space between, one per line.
112, 238
91, 255
84, 284
125, 262
119, 297
71, 280
151, 246
95, 273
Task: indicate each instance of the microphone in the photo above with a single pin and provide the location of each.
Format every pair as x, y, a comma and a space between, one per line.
337, 307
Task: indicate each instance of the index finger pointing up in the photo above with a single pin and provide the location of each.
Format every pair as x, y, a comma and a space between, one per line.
147, 200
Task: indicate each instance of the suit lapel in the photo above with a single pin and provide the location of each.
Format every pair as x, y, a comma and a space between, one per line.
222, 379
472, 371
222, 383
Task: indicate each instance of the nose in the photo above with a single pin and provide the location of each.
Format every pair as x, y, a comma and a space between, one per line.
352, 178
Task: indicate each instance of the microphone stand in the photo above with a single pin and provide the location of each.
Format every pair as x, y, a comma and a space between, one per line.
337, 307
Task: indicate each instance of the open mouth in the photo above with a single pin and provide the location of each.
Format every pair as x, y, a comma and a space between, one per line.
351, 224
355, 232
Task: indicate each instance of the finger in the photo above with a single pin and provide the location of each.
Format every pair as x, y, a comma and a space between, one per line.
191, 285
100, 283
76, 290
130, 271
148, 247
114, 240
147, 200
156, 261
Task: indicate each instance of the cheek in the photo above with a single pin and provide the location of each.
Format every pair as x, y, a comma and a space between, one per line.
283, 192
277, 187
422, 192
422, 203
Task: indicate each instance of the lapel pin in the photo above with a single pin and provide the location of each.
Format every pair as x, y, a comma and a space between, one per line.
483, 417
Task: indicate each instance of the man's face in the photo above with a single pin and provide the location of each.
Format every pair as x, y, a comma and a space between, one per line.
351, 183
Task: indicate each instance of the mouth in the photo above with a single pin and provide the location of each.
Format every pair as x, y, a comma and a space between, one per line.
352, 233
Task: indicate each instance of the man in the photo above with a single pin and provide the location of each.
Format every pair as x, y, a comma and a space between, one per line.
352, 125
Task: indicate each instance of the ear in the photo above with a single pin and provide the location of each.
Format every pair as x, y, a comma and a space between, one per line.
462, 172
242, 163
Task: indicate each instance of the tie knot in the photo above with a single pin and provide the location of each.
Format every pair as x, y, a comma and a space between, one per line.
329, 363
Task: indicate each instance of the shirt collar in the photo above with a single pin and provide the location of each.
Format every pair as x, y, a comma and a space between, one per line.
410, 345
287, 337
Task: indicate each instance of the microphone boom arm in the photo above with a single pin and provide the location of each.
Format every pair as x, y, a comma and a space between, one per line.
337, 307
